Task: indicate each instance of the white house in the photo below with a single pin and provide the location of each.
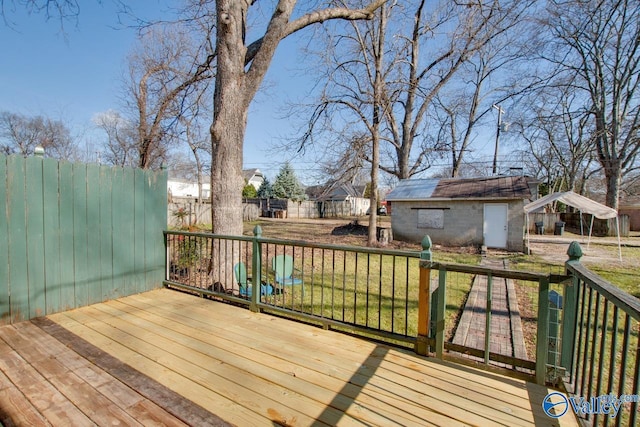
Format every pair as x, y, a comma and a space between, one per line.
253, 177
187, 189
181, 188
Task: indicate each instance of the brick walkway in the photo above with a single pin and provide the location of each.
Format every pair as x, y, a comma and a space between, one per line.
506, 335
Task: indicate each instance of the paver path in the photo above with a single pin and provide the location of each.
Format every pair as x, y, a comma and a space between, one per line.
506, 335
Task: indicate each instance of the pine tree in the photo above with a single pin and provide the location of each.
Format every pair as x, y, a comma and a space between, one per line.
266, 190
287, 185
249, 191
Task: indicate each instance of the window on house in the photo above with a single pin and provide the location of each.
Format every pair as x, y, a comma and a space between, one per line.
430, 218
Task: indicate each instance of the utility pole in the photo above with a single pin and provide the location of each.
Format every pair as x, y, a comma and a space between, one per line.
495, 153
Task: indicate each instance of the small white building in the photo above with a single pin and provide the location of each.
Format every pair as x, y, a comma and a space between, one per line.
485, 211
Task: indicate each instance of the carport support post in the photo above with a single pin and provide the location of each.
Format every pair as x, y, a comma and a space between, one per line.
421, 346
256, 269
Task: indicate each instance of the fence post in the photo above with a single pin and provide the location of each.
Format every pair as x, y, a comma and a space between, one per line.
256, 269
569, 307
542, 339
423, 297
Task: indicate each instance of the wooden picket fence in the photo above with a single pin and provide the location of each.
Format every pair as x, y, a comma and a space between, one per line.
74, 234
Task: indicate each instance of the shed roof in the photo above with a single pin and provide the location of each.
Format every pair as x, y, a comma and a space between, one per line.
501, 187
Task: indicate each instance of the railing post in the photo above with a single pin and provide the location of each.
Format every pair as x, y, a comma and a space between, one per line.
424, 292
542, 340
487, 325
570, 308
256, 269
441, 304
166, 255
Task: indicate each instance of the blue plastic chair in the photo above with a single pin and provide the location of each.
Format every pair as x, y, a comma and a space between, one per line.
282, 265
244, 282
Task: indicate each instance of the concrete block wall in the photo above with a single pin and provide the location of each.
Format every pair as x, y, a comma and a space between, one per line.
463, 223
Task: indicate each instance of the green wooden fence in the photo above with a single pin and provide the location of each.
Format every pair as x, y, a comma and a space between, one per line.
75, 234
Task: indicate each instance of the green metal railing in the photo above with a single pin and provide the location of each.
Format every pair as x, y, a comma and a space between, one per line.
600, 350
372, 291
445, 318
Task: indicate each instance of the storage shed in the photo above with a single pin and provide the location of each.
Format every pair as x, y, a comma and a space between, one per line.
463, 211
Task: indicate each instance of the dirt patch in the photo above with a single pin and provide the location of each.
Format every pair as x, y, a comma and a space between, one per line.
352, 228
328, 231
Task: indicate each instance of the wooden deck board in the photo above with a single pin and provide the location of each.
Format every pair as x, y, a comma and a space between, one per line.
239, 367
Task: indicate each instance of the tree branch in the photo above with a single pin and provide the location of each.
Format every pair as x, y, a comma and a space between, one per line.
317, 17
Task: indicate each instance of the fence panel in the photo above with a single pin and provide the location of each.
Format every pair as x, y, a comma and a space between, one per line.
17, 241
75, 234
4, 248
65, 197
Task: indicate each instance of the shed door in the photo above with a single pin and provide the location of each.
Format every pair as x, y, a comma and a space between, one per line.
495, 225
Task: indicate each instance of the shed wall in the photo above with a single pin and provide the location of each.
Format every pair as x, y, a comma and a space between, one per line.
462, 222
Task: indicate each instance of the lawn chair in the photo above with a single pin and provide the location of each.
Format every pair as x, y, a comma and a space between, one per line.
282, 266
244, 282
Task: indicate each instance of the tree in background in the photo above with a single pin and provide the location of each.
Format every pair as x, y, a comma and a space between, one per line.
266, 190
594, 50
249, 191
20, 134
241, 66
163, 76
120, 148
287, 186
559, 148
430, 48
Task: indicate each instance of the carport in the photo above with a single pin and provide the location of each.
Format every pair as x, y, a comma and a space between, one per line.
583, 204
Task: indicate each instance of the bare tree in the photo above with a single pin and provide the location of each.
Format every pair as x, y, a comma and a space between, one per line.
559, 136
424, 59
163, 73
121, 147
240, 70
21, 134
494, 73
595, 49
200, 147
62, 10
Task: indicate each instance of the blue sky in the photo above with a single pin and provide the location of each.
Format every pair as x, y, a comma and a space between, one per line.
73, 75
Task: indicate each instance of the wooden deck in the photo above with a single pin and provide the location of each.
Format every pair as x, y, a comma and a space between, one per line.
167, 358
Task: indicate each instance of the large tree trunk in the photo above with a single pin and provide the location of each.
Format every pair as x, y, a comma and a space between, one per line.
239, 73
612, 178
227, 136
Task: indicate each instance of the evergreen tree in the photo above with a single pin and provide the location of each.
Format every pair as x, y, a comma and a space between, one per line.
249, 191
287, 185
266, 190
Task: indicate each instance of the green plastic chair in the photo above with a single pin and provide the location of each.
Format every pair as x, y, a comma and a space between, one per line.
244, 282
282, 265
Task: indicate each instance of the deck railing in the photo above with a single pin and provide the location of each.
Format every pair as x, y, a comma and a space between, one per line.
600, 350
576, 329
370, 290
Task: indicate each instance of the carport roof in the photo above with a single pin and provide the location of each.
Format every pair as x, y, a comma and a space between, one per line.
496, 187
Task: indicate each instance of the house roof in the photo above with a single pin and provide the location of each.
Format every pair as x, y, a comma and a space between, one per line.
250, 173
334, 191
496, 187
